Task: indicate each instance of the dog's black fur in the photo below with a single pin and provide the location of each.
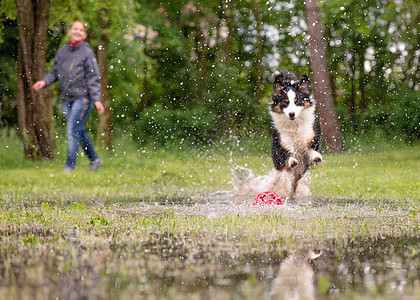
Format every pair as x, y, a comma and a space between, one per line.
296, 138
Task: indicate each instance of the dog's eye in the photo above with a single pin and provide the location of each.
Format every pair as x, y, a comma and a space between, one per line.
284, 102
300, 100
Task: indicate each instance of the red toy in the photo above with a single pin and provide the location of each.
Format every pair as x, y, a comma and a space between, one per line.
267, 198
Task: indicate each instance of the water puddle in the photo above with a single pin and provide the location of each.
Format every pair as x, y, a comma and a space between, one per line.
213, 247
379, 267
380, 264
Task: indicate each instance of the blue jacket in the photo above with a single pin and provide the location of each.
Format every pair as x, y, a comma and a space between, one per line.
77, 71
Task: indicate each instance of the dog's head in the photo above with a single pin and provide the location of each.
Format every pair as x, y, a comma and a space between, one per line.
290, 96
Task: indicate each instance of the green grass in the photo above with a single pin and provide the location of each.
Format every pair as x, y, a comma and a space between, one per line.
147, 225
389, 174
132, 172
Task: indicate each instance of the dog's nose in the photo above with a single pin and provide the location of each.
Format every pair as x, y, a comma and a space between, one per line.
292, 115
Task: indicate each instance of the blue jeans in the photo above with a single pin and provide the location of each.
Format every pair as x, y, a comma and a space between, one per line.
76, 113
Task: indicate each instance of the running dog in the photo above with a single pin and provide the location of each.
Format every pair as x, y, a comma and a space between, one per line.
296, 139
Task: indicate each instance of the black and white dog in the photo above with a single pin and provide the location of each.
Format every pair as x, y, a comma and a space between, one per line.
296, 139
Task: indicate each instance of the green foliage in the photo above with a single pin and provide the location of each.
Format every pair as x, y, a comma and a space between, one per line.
394, 118
31, 239
8, 13
98, 220
323, 285
371, 60
174, 58
45, 206
164, 126
8, 87
399, 118
76, 206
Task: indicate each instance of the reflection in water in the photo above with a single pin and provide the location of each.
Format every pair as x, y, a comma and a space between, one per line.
178, 267
340, 268
381, 265
375, 266
296, 277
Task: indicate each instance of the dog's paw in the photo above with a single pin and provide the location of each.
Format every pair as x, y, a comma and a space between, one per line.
316, 157
291, 162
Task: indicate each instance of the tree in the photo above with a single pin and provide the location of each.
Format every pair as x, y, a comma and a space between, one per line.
34, 109
258, 63
330, 129
104, 131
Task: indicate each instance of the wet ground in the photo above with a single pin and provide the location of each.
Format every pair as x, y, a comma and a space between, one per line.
382, 264
212, 247
384, 268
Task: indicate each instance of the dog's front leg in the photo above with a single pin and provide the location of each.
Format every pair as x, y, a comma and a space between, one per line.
291, 162
282, 157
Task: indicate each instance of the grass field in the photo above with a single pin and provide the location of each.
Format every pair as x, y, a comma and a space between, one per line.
130, 172
156, 223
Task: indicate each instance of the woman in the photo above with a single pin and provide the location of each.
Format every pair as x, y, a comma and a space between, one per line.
76, 69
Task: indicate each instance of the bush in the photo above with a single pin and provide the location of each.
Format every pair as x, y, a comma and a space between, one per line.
394, 118
398, 117
404, 115
164, 127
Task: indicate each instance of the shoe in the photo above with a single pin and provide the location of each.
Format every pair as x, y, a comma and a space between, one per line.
94, 166
68, 169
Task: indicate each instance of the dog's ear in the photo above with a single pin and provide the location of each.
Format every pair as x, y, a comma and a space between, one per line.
278, 84
304, 85
278, 87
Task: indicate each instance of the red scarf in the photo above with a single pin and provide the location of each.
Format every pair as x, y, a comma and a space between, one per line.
75, 43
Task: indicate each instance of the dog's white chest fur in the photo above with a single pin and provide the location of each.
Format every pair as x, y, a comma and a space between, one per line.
295, 135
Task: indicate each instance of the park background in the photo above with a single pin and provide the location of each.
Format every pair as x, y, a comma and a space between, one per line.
186, 85
180, 74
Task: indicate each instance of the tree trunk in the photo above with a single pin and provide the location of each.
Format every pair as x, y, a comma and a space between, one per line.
104, 132
202, 59
331, 133
34, 109
352, 97
228, 8
258, 64
145, 95
360, 49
